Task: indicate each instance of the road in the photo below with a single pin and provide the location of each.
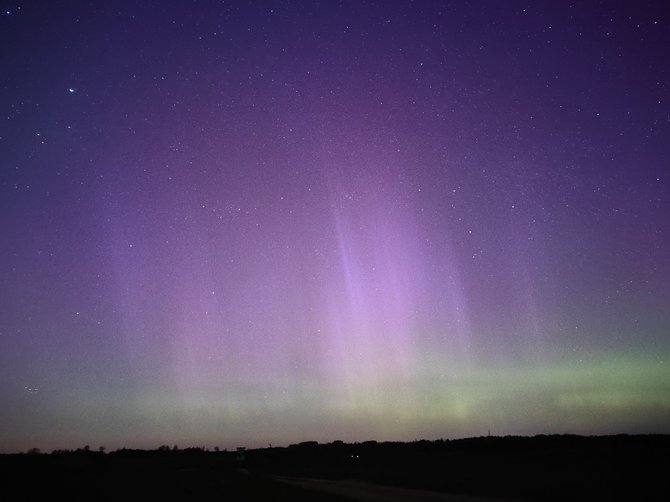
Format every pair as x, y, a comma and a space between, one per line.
369, 492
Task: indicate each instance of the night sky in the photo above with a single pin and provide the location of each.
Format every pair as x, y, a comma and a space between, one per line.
234, 224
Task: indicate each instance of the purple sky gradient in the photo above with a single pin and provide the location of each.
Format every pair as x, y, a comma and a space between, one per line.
228, 223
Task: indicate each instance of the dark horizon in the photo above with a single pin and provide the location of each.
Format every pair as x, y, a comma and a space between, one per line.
260, 222
496, 468
562, 440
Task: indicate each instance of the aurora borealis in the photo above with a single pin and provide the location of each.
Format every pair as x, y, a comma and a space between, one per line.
242, 223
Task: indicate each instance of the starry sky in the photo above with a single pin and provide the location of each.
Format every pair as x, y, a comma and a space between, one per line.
241, 223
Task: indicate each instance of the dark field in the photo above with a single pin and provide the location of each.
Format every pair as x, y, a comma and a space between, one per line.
539, 468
